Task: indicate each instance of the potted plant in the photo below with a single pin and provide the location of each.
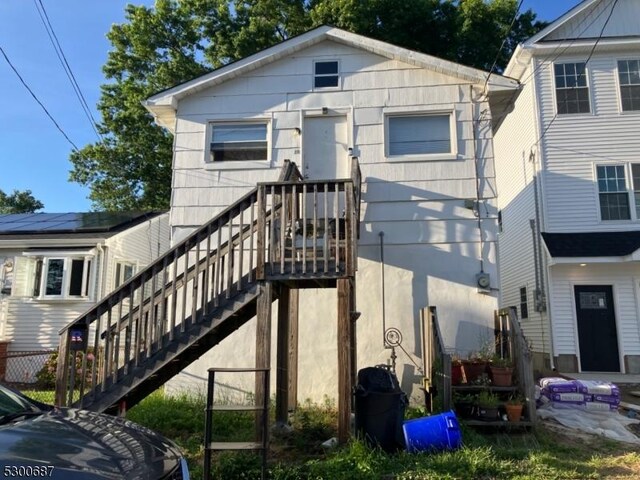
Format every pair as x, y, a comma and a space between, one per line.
501, 371
474, 366
514, 408
488, 406
464, 404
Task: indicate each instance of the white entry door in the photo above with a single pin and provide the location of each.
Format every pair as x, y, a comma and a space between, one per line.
326, 147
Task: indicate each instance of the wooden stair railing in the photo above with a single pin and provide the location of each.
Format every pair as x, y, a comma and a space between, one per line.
200, 277
436, 362
511, 343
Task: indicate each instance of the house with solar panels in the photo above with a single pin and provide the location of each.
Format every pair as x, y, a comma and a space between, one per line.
568, 176
54, 266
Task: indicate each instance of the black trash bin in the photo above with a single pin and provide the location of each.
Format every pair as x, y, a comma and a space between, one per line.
379, 408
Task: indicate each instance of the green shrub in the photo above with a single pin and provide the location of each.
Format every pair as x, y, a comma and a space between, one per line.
46, 377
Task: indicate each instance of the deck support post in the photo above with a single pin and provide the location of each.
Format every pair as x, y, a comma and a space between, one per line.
345, 325
294, 296
282, 360
263, 346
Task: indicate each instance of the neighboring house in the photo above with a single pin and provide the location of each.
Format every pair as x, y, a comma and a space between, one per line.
54, 266
421, 129
568, 172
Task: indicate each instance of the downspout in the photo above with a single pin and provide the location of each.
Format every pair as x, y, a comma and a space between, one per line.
474, 125
102, 279
540, 296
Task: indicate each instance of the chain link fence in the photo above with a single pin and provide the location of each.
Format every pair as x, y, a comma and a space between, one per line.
32, 373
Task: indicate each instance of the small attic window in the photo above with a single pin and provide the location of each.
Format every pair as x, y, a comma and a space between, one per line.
326, 74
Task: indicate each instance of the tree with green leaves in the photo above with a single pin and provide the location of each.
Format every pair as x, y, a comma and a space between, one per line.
19, 201
129, 168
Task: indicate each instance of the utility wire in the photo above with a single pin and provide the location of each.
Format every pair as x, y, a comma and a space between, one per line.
593, 49
506, 37
36, 99
53, 38
553, 56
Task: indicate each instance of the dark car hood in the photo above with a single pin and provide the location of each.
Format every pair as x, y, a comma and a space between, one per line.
82, 444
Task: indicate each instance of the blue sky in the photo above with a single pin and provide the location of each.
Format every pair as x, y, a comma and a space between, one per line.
33, 153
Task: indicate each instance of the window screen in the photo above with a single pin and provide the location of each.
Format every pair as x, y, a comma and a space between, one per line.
419, 134
238, 142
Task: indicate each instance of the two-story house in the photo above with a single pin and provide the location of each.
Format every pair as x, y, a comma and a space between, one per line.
422, 131
568, 175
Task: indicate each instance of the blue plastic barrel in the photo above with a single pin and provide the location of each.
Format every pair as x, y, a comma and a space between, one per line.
434, 433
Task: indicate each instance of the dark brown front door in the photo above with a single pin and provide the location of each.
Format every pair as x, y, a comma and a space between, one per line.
597, 332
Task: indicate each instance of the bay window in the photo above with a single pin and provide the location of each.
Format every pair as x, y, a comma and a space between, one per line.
55, 277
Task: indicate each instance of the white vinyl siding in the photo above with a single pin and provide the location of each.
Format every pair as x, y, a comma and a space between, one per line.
515, 173
572, 145
623, 277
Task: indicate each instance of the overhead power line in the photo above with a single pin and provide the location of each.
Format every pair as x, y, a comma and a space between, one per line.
53, 38
504, 40
37, 99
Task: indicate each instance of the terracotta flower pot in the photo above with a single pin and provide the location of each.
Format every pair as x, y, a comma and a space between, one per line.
514, 412
501, 376
474, 370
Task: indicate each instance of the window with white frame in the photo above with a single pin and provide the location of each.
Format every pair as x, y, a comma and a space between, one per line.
613, 192
326, 74
419, 135
63, 277
572, 90
241, 141
124, 271
629, 76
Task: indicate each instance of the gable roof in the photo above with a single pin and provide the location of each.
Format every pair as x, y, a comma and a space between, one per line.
164, 104
612, 23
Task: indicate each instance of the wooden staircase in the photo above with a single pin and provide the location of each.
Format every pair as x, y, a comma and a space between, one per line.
294, 232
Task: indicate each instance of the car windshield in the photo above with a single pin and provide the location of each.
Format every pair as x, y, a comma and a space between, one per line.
12, 403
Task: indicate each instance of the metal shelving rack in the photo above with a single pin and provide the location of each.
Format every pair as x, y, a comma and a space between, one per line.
262, 438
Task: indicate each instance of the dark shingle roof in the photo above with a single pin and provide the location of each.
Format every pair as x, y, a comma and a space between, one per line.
592, 244
70, 223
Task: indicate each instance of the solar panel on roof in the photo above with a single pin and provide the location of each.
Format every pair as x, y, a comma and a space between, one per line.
66, 222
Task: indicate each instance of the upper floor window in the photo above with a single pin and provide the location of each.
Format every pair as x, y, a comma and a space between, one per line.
420, 135
242, 141
629, 76
326, 74
613, 192
572, 91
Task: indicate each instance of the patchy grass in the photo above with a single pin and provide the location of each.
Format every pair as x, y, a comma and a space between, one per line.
543, 454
